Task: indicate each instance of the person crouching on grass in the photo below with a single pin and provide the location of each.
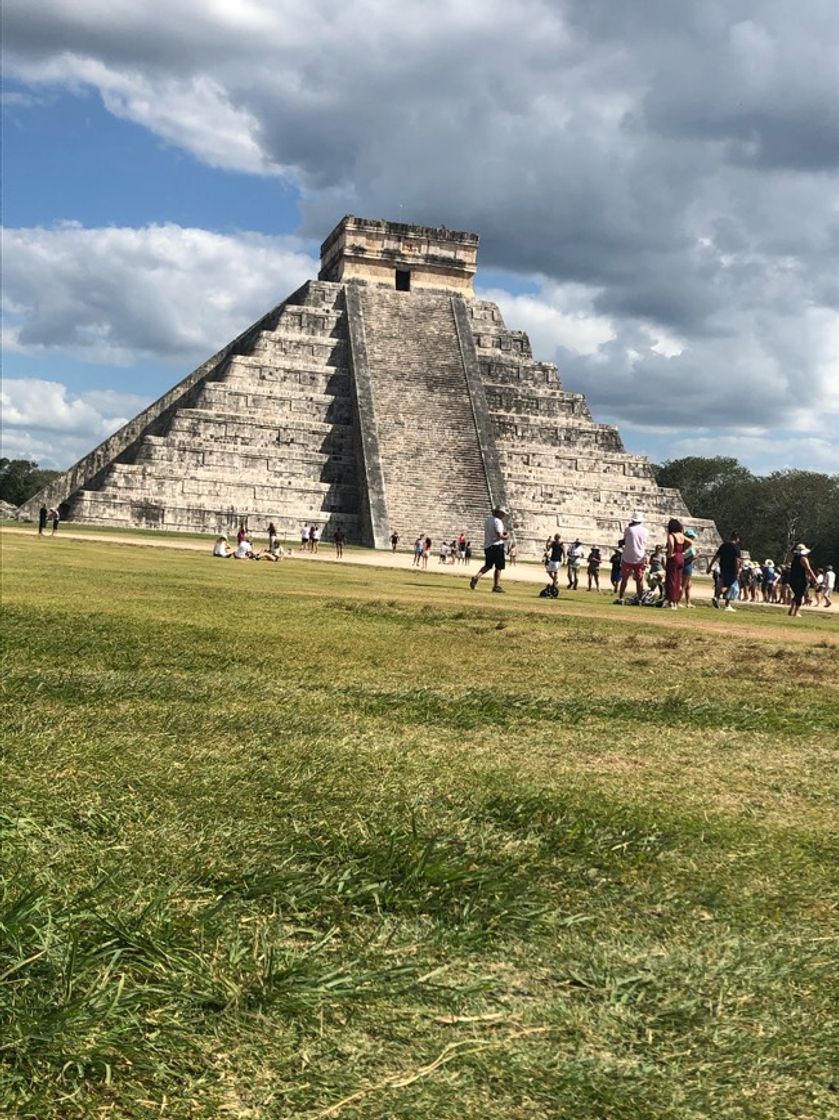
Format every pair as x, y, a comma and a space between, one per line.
495, 538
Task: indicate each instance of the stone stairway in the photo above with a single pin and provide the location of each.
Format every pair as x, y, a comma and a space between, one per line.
432, 464
563, 471
268, 437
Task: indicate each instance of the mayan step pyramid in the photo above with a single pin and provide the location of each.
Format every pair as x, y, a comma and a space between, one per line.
381, 397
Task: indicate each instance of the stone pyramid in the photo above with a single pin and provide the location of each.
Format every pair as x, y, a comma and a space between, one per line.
382, 396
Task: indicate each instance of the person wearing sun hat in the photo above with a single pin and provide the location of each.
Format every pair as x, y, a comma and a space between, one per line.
495, 543
634, 557
801, 575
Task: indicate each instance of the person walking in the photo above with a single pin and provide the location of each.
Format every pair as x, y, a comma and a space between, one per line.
495, 545
828, 583
54, 514
634, 556
674, 566
394, 540
730, 560
553, 563
801, 576
42, 520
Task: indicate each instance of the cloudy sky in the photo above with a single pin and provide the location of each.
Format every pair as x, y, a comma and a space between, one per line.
654, 184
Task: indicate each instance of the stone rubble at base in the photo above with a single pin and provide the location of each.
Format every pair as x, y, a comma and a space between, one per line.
381, 396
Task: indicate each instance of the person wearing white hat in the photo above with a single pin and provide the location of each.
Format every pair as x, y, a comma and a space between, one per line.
801, 575
634, 556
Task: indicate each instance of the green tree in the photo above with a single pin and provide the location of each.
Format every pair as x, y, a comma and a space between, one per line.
719, 488
21, 478
794, 506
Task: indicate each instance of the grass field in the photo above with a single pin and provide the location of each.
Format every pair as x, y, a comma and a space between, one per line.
312, 841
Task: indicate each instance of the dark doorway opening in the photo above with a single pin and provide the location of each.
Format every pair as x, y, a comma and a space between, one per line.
403, 280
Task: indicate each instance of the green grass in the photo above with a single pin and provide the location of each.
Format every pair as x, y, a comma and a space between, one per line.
301, 841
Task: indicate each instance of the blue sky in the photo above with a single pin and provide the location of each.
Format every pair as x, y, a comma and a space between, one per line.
671, 243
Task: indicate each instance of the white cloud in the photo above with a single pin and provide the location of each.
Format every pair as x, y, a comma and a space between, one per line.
44, 422
113, 295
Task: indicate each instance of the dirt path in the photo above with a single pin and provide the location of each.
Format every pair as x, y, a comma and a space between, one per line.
706, 622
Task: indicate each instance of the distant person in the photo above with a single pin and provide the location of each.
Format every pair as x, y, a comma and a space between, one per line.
828, 583
801, 576
244, 550
495, 541
394, 540
674, 566
687, 570
444, 552
426, 551
42, 520
339, 537
418, 547
240, 536
575, 561
314, 537
553, 564
53, 513
512, 553
304, 538
615, 563
730, 560
770, 579
593, 568
222, 548
274, 553
272, 534
634, 558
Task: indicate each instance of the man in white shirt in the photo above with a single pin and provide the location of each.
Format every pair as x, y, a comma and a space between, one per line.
634, 556
244, 550
495, 537
828, 583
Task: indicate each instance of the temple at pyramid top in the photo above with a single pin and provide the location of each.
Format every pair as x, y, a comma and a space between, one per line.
399, 256
382, 397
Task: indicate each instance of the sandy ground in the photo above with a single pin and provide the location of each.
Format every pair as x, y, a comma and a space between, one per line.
518, 573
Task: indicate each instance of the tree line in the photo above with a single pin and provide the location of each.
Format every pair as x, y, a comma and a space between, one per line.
21, 478
772, 512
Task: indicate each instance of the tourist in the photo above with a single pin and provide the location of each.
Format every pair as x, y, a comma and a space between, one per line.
54, 516
828, 583
304, 538
801, 576
553, 563
314, 537
512, 553
426, 551
240, 536
394, 540
444, 552
274, 553
687, 570
42, 520
674, 566
495, 559
615, 561
272, 534
467, 553
453, 551
222, 549
730, 560
770, 579
418, 547
575, 561
244, 550
339, 537
658, 559
634, 558
593, 569
461, 548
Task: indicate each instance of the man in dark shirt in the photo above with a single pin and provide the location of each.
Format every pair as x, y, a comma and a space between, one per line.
730, 560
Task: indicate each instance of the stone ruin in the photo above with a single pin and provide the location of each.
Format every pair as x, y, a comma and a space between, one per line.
382, 396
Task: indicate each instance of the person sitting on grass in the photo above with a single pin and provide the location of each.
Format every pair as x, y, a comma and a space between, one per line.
222, 548
244, 550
